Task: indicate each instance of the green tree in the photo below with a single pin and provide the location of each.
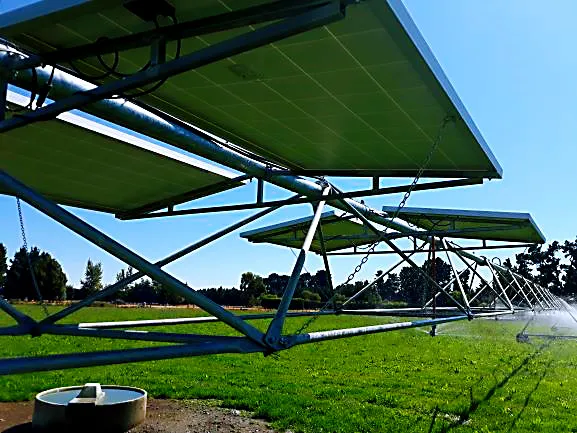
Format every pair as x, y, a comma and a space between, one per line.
3, 266
92, 282
569, 250
548, 266
48, 273
307, 295
252, 286
390, 288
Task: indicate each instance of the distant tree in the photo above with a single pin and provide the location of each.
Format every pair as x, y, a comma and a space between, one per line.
413, 286
523, 264
390, 288
3, 266
252, 286
48, 273
548, 266
166, 296
92, 282
569, 249
142, 291
311, 296
275, 283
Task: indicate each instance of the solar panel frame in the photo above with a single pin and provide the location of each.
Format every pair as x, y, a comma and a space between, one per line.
340, 231
421, 58
491, 225
61, 159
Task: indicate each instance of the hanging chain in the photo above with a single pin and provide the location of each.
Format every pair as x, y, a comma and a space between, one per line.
29, 262
365, 259
406, 196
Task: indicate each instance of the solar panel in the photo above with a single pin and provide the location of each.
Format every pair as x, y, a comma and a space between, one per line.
363, 96
340, 231
78, 161
468, 224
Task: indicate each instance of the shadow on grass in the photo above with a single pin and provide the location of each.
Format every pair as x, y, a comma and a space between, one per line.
528, 398
474, 403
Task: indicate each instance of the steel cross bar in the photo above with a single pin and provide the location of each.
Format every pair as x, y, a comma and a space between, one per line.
551, 301
538, 295
326, 264
110, 290
380, 277
436, 295
274, 331
459, 283
137, 214
165, 337
525, 284
522, 291
540, 290
500, 272
90, 359
189, 320
375, 329
475, 273
496, 279
379, 233
119, 251
20, 317
473, 248
308, 20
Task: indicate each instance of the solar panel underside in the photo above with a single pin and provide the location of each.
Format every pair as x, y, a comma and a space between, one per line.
362, 96
484, 225
339, 232
79, 162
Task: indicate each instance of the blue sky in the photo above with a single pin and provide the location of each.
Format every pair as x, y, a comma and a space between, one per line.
513, 65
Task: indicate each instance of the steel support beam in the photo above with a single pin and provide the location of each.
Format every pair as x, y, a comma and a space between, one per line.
112, 289
91, 359
143, 213
380, 277
353, 332
479, 248
274, 331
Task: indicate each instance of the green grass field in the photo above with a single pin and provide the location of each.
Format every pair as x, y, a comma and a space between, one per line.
473, 377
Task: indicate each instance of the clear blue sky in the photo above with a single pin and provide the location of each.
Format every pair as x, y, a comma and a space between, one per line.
512, 63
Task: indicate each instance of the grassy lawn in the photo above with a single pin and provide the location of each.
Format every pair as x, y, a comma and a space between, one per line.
473, 377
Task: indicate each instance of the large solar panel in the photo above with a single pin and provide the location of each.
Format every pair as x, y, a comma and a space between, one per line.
340, 231
362, 96
468, 224
78, 161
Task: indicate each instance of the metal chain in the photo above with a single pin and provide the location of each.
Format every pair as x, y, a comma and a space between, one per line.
406, 196
29, 262
365, 259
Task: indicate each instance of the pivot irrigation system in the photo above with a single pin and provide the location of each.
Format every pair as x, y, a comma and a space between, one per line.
285, 92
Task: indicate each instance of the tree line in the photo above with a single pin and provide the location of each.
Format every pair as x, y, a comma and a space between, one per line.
553, 266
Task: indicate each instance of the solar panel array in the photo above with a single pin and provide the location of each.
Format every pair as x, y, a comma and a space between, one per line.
363, 96
339, 231
80, 162
485, 225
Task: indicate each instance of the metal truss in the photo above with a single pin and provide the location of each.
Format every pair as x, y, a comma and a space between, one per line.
508, 292
533, 298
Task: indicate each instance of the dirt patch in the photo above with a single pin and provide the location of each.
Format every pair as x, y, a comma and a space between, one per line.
163, 416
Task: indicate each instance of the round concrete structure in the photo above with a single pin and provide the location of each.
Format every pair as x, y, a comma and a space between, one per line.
91, 407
